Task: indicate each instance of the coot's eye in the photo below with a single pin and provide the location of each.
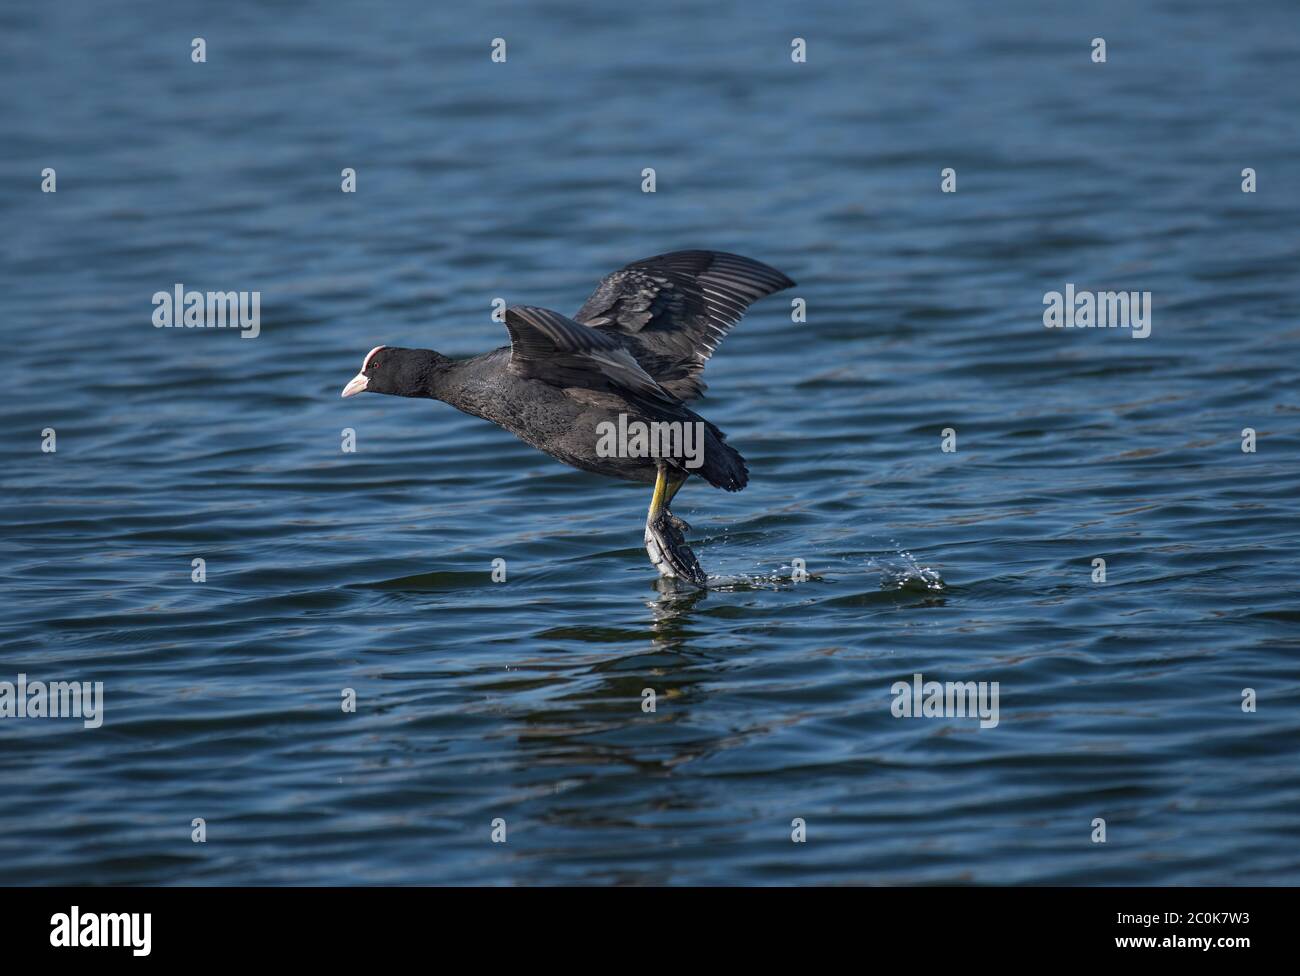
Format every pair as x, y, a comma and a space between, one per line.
374, 364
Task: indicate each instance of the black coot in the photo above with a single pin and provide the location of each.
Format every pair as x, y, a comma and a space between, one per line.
631, 356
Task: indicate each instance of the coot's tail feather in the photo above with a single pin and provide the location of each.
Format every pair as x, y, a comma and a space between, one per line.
723, 465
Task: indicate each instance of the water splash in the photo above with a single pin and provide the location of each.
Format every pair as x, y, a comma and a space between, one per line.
902, 572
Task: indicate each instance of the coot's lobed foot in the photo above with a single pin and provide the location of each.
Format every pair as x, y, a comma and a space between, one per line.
667, 548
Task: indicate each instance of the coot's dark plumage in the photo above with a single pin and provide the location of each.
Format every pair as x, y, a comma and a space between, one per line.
637, 347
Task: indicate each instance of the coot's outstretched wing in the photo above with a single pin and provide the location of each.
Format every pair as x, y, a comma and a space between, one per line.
675, 308
548, 346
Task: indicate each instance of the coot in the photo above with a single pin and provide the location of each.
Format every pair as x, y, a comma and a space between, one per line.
629, 360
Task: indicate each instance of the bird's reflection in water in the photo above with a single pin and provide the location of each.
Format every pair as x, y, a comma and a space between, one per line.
607, 693
671, 614
601, 755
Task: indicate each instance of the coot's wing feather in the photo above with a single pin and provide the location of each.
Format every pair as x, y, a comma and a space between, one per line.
548, 346
677, 307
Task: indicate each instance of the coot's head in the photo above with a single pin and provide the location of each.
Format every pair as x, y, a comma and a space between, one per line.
389, 369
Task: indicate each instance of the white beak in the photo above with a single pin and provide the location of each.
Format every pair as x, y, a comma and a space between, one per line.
356, 385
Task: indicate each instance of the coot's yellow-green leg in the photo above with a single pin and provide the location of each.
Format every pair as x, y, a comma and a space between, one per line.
658, 501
